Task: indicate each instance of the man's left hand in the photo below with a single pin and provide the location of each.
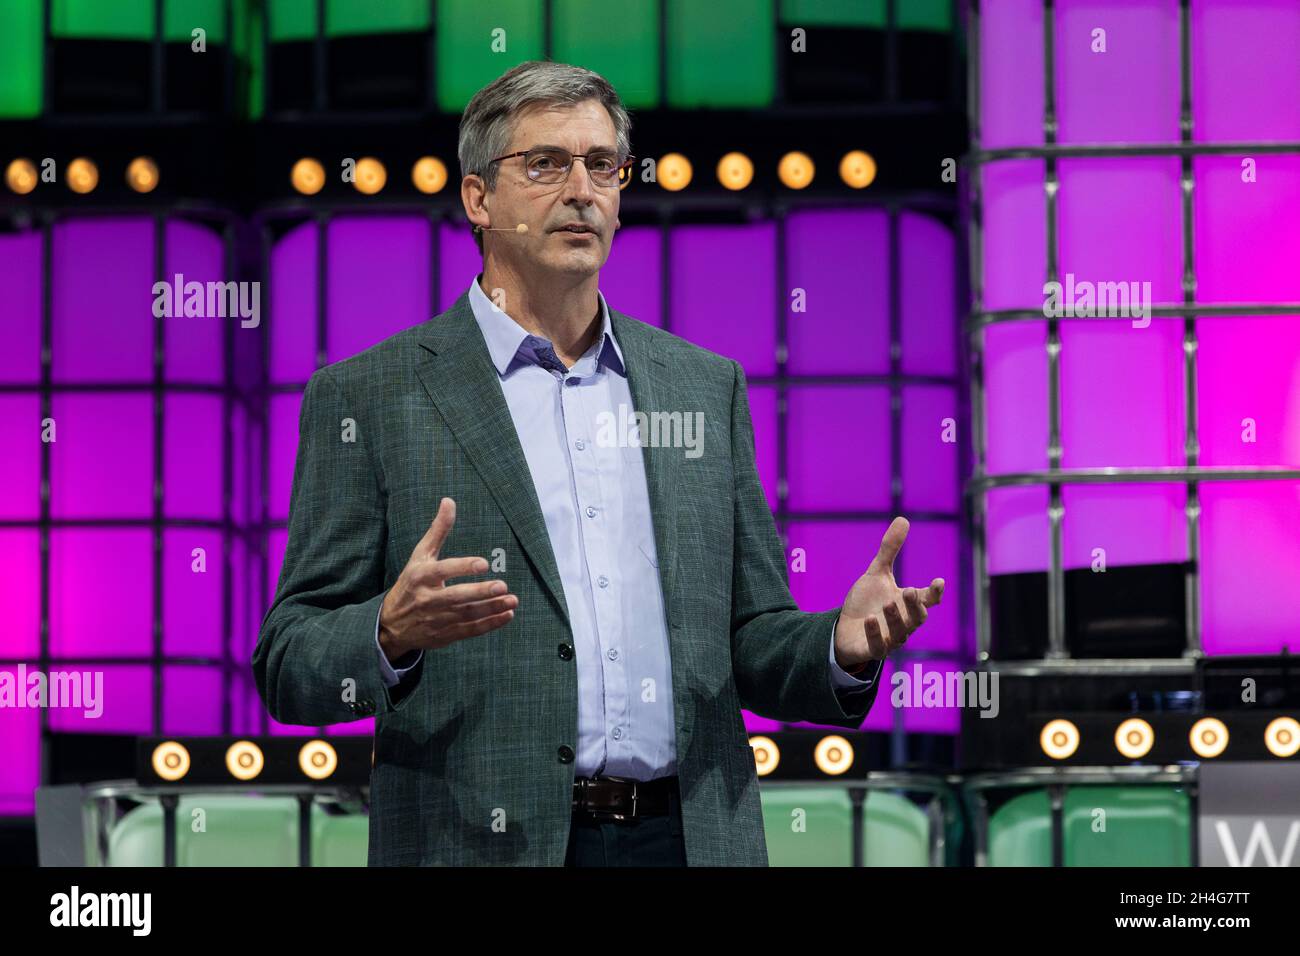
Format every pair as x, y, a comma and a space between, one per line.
878, 616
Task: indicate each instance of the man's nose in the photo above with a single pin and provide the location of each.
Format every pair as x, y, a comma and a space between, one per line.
579, 186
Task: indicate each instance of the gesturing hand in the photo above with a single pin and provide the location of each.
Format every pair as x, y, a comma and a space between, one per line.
878, 615
422, 611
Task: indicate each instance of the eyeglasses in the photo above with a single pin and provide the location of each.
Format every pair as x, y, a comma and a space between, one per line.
552, 165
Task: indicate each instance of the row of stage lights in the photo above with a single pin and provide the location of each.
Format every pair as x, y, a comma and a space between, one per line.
673, 172
82, 175
245, 760
1134, 738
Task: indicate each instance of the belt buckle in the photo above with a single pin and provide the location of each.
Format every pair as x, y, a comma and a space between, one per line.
613, 814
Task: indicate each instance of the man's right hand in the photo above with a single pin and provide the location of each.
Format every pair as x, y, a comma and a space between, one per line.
422, 611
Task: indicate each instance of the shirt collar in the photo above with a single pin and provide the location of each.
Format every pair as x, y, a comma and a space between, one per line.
505, 337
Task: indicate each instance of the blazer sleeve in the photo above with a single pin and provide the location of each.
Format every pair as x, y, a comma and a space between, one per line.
315, 660
778, 653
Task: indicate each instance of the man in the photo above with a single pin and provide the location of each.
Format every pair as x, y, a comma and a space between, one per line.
582, 704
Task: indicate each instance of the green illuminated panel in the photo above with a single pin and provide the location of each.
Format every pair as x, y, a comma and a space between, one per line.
720, 53
466, 36
838, 13
133, 19
343, 17
910, 15
291, 20
623, 48
21, 53
1127, 826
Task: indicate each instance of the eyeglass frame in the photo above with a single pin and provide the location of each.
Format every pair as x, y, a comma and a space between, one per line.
625, 164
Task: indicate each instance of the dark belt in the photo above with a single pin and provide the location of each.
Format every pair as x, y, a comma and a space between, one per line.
621, 798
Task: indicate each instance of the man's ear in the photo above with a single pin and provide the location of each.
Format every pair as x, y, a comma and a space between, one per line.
473, 197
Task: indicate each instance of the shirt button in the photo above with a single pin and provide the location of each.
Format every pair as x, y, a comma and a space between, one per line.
618, 733
591, 512
566, 754
612, 653
603, 581
570, 381
579, 444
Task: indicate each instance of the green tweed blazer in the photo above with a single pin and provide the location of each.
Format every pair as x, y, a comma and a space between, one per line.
473, 750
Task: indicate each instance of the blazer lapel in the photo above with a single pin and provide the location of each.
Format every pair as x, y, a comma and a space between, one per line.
652, 388
462, 382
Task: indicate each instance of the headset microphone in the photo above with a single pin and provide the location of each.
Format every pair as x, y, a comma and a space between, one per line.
521, 229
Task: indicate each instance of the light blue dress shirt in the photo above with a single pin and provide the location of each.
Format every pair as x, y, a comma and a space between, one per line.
596, 506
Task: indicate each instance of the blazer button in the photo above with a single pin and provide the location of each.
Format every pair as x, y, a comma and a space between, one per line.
566, 652
566, 754
366, 707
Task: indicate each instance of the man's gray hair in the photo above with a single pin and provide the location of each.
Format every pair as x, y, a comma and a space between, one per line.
488, 121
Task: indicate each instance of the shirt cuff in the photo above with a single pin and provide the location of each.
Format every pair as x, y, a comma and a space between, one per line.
842, 679
392, 676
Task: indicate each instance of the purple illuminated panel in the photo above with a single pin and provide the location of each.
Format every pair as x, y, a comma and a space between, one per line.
1249, 549
1247, 244
20, 593
103, 275
1122, 401
762, 413
20, 769
1015, 396
632, 276
1134, 235
932, 551
1015, 235
291, 324
126, 703
723, 294
930, 414
927, 296
1017, 530
926, 713
101, 592
834, 555
1249, 419
195, 346
1127, 94
458, 262
20, 436
1011, 73
1131, 524
20, 277
192, 598
378, 281
277, 541
1244, 56
193, 464
839, 448
191, 700
283, 450
94, 429
840, 259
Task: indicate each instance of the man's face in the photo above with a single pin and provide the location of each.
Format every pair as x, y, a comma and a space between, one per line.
548, 207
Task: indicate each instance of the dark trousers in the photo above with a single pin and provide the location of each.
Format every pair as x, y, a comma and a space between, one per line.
642, 841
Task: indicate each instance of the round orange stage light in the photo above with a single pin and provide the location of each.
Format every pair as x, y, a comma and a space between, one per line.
244, 760
307, 176
735, 171
833, 755
371, 176
20, 176
674, 173
796, 170
83, 175
1209, 737
858, 169
170, 761
1134, 738
429, 175
142, 174
1059, 739
767, 755
318, 759
1282, 737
